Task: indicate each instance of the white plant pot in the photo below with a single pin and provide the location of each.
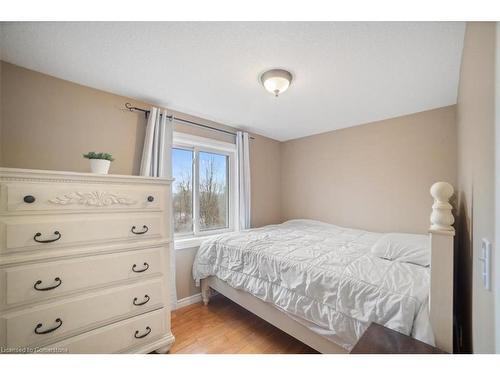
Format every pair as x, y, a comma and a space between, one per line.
99, 166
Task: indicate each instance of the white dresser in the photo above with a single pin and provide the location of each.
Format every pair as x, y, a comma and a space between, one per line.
84, 263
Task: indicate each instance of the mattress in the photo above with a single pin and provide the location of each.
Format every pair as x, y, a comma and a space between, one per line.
323, 276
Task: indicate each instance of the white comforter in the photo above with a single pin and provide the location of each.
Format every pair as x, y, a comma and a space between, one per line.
322, 275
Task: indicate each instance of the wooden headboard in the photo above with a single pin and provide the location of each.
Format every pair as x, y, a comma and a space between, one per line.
441, 294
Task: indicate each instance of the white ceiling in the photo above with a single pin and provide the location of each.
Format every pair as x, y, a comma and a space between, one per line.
345, 74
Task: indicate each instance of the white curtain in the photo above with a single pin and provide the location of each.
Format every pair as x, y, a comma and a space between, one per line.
242, 146
157, 162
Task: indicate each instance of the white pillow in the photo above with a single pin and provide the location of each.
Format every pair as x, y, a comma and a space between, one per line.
403, 247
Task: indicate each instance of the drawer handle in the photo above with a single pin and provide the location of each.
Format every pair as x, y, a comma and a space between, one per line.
28, 198
144, 227
146, 300
39, 325
151, 198
47, 241
148, 331
146, 266
57, 280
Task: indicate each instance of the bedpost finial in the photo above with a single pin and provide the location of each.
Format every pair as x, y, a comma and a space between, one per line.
441, 218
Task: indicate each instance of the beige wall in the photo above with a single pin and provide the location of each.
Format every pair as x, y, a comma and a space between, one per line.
375, 176
48, 123
1, 116
265, 165
183, 265
476, 154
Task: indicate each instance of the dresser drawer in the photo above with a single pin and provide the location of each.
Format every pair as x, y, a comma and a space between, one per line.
23, 283
120, 337
49, 232
48, 322
40, 197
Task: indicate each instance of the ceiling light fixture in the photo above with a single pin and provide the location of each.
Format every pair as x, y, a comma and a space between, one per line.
276, 81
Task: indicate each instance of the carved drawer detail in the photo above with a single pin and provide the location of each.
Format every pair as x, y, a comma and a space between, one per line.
94, 199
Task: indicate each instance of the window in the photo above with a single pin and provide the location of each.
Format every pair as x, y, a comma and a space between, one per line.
213, 190
182, 171
204, 197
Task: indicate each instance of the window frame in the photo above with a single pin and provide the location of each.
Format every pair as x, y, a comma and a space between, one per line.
199, 144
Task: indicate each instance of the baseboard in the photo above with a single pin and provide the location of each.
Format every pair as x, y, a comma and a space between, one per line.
188, 301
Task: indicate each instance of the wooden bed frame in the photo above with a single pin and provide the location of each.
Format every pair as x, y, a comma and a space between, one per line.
441, 293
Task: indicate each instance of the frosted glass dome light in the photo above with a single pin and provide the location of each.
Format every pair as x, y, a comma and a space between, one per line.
276, 81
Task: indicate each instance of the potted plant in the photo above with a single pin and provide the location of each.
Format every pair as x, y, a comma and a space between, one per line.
99, 161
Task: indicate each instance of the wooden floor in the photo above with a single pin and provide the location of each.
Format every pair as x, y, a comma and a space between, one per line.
223, 327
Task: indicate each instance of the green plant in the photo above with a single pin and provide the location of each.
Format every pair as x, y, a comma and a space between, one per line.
98, 155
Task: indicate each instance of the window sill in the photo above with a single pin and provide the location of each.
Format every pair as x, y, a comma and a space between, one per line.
187, 243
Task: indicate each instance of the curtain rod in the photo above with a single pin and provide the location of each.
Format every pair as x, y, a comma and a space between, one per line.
172, 117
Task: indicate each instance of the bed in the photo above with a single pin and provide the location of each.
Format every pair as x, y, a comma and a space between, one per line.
323, 284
